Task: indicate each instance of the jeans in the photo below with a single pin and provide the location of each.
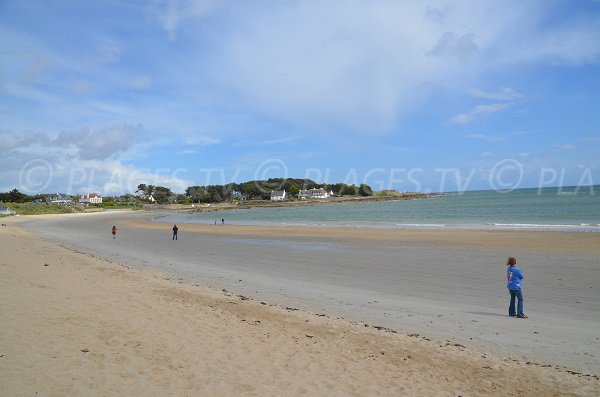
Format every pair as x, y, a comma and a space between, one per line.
516, 293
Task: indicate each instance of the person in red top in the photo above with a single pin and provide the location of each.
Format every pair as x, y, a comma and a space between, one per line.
114, 231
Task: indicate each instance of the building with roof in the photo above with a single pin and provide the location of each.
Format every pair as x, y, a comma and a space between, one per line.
278, 195
314, 194
58, 198
92, 198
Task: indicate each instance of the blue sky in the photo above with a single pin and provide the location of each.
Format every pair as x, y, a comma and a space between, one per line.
427, 96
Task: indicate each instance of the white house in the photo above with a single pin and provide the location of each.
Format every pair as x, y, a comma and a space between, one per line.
92, 198
314, 194
143, 196
277, 195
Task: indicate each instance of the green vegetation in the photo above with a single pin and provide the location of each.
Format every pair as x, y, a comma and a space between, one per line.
127, 201
365, 190
349, 191
15, 196
38, 208
261, 190
254, 192
133, 207
388, 193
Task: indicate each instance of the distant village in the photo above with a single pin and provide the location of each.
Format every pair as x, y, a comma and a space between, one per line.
277, 189
279, 195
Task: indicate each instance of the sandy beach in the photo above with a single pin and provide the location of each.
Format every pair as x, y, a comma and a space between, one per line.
244, 311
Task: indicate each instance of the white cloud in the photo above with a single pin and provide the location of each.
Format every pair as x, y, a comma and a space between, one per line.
360, 70
248, 70
577, 42
172, 13
117, 178
363, 66
568, 146
319, 66
187, 151
80, 87
97, 143
488, 154
141, 83
106, 54
505, 94
451, 46
201, 140
282, 140
489, 138
77, 161
495, 138
478, 111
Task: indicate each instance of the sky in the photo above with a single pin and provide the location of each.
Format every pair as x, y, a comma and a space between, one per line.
429, 96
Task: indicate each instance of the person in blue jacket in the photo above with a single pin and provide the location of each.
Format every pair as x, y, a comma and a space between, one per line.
514, 277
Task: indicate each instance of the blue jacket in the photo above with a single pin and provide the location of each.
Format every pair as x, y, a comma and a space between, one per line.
514, 275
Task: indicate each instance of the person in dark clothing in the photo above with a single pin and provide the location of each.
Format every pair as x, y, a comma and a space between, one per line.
175, 229
114, 231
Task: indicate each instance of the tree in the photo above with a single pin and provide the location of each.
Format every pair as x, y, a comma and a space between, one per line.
365, 190
349, 190
250, 189
336, 188
183, 199
161, 194
14, 196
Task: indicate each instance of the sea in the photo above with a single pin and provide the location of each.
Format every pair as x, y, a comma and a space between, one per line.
574, 208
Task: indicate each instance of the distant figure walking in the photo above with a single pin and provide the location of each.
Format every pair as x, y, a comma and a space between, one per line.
175, 229
222, 221
114, 231
514, 275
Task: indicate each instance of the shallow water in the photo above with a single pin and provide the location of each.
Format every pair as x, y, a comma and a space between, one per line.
548, 209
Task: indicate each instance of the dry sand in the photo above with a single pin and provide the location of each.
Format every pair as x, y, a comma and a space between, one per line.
73, 324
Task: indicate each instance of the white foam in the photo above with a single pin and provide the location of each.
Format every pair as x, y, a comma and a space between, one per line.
421, 225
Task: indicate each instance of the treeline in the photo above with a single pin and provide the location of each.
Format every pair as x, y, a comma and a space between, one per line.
15, 196
251, 190
261, 190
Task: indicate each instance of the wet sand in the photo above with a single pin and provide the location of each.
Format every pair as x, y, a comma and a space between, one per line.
445, 286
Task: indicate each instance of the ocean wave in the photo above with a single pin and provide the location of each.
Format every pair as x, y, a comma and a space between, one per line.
557, 227
421, 225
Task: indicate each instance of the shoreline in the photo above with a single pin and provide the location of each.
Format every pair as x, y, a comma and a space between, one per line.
494, 227
413, 281
64, 335
577, 241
